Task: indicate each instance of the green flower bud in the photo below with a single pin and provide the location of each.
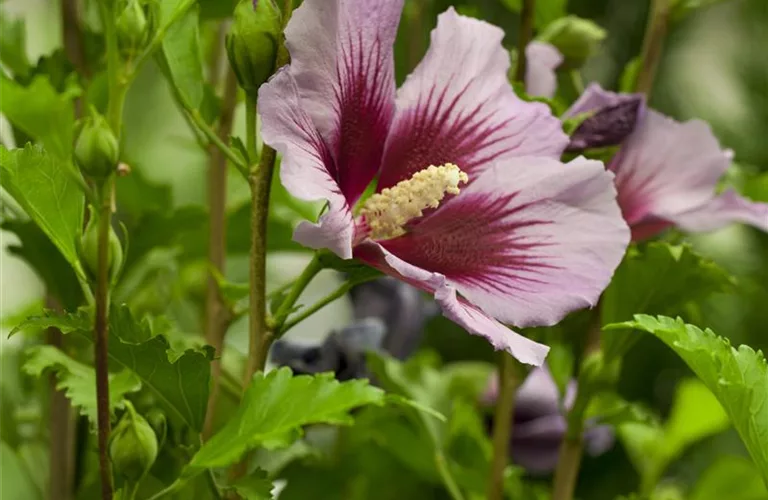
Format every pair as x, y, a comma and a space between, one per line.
252, 42
96, 149
576, 38
156, 418
132, 28
132, 445
89, 249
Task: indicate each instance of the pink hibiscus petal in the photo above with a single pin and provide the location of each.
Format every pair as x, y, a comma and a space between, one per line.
667, 168
454, 308
541, 61
725, 209
528, 242
458, 107
594, 98
288, 129
341, 58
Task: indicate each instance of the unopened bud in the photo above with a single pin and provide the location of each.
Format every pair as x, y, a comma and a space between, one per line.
97, 148
132, 445
252, 42
132, 28
609, 126
156, 418
89, 249
576, 38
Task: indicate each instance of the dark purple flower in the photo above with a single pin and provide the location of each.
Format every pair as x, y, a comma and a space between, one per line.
472, 203
539, 424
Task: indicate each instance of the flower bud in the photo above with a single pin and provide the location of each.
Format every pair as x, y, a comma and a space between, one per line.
608, 126
132, 445
576, 38
97, 148
252, 42
156, 418
132, 28
89, 249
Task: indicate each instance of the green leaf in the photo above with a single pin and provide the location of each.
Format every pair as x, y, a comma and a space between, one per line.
182, 56
78, 381
38, 251
255, 486
734, 478
696, 414
738, 377
276, 406
13, 48
16, 482
679, 9
628, 79
43, 187
610, 408
41, 112
657, 278
178, 380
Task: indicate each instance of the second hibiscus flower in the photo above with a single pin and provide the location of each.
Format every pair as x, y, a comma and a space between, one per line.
472, 203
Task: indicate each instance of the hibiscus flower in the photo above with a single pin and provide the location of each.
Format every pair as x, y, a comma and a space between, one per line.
471, 201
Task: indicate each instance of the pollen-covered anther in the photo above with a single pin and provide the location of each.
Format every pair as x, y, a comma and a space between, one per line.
387, 212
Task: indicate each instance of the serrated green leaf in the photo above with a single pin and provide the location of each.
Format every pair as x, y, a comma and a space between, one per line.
182, 57
255, 486
43, 187
278, 404
78, 381
41, 112
178, 380
738, 377
657, 278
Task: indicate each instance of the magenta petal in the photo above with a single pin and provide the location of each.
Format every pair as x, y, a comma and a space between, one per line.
722, 210
458, 107
529, 241
667, 168
457, 310
341, 58
541, 61
304, 168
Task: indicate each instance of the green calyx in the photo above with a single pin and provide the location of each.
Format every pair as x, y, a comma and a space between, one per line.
89, 249
97, 149
132, 28
576, 38
253, 41
132, 445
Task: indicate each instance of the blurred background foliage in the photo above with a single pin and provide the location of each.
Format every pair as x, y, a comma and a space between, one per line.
714, 68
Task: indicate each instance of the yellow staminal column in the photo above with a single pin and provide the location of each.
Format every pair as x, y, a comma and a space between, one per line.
387, 212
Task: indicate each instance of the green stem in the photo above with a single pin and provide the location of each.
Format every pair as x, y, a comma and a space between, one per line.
524, 37
572, 448
101, 327
309, 272
445, 475
577, 81
509, 379
309, 311
653, 44
260, 181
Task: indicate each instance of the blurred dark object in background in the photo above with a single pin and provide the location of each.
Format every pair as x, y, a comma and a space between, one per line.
389, 316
